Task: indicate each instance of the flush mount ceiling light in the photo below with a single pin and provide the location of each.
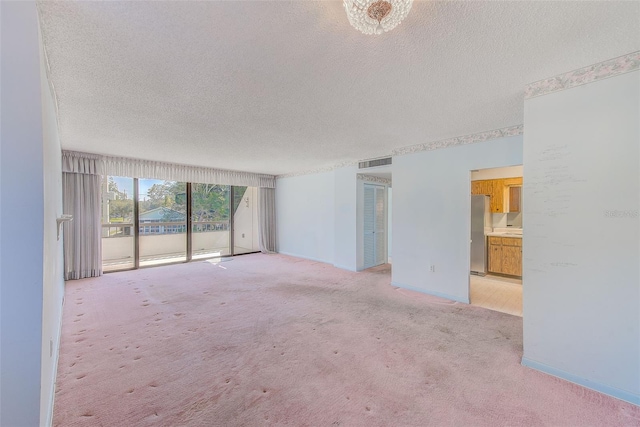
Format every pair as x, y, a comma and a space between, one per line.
376, 16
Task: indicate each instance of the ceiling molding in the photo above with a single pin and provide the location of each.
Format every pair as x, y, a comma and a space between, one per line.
460, 140
318, 170
374, 179
428, 146
603, 70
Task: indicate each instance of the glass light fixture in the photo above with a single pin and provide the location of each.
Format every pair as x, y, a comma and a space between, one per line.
376, 16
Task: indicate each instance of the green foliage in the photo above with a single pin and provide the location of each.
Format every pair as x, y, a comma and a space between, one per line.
210, 202
120, 209
164, 195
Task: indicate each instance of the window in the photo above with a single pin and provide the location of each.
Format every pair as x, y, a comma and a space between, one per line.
117, 223
169, 221
210, 220
162, 221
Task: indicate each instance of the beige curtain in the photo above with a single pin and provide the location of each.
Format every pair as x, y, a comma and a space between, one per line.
137, 168
82, 235
267, 219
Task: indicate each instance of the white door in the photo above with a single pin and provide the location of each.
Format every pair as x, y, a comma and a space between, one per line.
374, 225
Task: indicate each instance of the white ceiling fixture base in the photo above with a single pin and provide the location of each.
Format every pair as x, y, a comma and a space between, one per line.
376, 16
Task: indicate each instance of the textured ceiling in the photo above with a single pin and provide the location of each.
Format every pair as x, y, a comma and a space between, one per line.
279, 87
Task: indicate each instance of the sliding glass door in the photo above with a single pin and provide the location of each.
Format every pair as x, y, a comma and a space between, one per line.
210, 220
162, 221
150, 222
117, 223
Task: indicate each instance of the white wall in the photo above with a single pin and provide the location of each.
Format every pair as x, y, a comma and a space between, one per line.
581, 265
316, 216
53, 276
22, 227
306, 204
345, 218
306, 216
431, 214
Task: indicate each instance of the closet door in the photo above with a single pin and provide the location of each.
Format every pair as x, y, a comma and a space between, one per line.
374, 225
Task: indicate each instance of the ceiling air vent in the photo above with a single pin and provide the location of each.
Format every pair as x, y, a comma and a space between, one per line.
373, 163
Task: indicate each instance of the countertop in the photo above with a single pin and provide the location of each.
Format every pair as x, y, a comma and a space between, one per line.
501, 233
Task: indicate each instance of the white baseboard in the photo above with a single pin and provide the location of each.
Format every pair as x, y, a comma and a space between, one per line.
56, 357
601, 388
428, 292
305, 257
344, 267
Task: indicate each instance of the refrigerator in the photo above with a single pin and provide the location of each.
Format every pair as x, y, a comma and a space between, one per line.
480, 226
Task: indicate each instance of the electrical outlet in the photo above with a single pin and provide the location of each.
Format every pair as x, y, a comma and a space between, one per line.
243, 235
432, 268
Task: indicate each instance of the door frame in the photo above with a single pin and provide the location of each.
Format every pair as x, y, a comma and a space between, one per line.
360, 222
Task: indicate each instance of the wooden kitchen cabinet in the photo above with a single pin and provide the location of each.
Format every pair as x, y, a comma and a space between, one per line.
499, 190
495, 240
495, 254
515, 193
497, 196
494, 188
513, 181
505, 255
512, 257
476, 188
482, 187
495, 258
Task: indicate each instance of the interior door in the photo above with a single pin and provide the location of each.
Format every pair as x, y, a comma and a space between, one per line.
374, 225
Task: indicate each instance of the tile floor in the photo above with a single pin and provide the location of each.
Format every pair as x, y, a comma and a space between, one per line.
497, 293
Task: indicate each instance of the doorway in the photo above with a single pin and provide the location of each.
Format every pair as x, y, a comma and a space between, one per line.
495, 280
375, 239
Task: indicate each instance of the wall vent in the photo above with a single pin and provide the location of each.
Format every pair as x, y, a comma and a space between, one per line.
373, 163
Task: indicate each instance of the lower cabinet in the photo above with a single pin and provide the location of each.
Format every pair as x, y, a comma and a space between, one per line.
495, 258
512, 260
505, 255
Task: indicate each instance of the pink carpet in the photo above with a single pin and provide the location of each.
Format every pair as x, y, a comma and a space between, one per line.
274, 340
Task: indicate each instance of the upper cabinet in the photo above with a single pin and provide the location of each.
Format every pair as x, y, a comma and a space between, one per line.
505, 193
515, 193
497, 197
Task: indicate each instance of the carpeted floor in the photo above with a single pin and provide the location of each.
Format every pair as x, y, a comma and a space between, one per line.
275, 340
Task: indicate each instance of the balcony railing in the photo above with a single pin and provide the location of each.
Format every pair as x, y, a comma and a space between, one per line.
161, 242
121, 229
